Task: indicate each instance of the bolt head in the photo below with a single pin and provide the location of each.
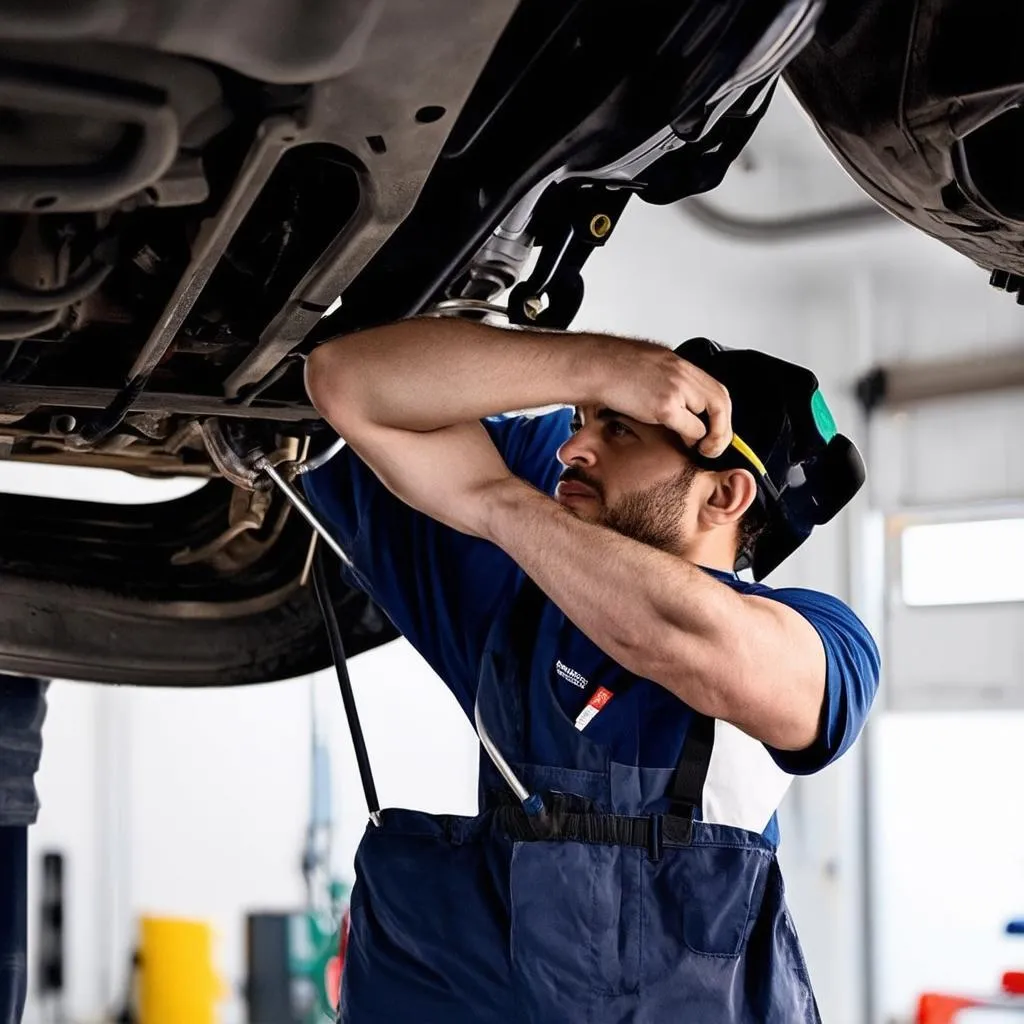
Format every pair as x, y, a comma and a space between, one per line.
533, 306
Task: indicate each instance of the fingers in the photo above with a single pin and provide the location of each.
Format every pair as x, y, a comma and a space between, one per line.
662, 388
686, 424
718, 406
697, 393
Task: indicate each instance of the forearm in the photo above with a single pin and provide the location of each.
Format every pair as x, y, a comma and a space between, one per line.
428, 373
655, 614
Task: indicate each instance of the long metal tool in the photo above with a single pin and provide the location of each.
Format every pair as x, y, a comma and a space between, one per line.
532, 803
264, 465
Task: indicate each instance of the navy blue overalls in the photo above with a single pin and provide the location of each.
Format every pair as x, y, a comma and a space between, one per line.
628, 909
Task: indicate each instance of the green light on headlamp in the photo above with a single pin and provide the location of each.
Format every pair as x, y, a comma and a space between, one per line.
823, 417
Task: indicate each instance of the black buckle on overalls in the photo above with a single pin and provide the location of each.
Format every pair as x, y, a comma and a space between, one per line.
671, 830
677, 827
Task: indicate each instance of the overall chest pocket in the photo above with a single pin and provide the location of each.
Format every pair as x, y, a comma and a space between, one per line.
576, 920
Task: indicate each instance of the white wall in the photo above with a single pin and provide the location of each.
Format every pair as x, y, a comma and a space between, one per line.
949, 842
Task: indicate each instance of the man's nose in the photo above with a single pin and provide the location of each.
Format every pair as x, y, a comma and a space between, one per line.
578, 450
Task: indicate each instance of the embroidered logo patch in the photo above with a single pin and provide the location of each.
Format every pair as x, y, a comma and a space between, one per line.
570, 675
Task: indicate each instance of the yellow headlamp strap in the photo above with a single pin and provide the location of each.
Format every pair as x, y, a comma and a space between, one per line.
750, 455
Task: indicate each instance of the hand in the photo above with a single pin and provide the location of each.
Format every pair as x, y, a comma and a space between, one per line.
651, 384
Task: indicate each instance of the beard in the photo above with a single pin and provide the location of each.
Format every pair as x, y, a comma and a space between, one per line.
653, 515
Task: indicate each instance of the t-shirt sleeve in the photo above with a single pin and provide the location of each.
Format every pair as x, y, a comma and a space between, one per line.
440, 588
851, 681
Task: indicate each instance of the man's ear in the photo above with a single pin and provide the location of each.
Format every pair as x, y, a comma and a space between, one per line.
731, 494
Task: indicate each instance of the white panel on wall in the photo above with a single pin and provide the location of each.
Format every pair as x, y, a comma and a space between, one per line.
960, 656
949, 451
963, 647
969, 562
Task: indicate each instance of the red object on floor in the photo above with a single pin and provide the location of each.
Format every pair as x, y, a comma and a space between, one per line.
1013, 983
934, 1008
336, 965
332, 981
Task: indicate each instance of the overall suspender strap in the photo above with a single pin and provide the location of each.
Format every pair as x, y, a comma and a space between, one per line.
687, 787
686, 791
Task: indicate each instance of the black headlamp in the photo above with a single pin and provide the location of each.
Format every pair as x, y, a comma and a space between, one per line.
784, 433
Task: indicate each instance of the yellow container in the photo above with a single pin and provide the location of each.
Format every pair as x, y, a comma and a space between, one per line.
177, 981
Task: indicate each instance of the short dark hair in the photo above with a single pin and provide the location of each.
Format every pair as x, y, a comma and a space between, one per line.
752, 524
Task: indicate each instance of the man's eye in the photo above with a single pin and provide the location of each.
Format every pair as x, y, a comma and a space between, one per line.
618, 429
575, 427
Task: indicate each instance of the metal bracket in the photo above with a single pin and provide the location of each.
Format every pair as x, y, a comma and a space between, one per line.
573, 218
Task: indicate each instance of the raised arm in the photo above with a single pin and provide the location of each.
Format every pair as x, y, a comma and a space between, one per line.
427, 373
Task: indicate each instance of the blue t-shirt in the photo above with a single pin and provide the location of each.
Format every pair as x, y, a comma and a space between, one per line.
442, 590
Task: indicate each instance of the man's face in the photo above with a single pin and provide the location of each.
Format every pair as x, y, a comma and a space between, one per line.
632, 477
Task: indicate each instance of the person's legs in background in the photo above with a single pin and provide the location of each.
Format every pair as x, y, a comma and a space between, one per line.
22, 710
13, 921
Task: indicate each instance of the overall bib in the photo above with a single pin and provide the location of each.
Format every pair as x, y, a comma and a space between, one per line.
627, 909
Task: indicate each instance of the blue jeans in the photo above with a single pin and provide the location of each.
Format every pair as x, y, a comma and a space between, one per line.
22, 710
13, 921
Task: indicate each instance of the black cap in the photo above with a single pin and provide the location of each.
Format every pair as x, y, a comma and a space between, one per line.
786, 436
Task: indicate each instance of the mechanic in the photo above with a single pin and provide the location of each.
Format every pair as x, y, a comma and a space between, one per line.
22, 711
572, 577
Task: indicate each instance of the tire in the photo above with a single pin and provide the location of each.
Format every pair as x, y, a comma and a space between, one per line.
88, 592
